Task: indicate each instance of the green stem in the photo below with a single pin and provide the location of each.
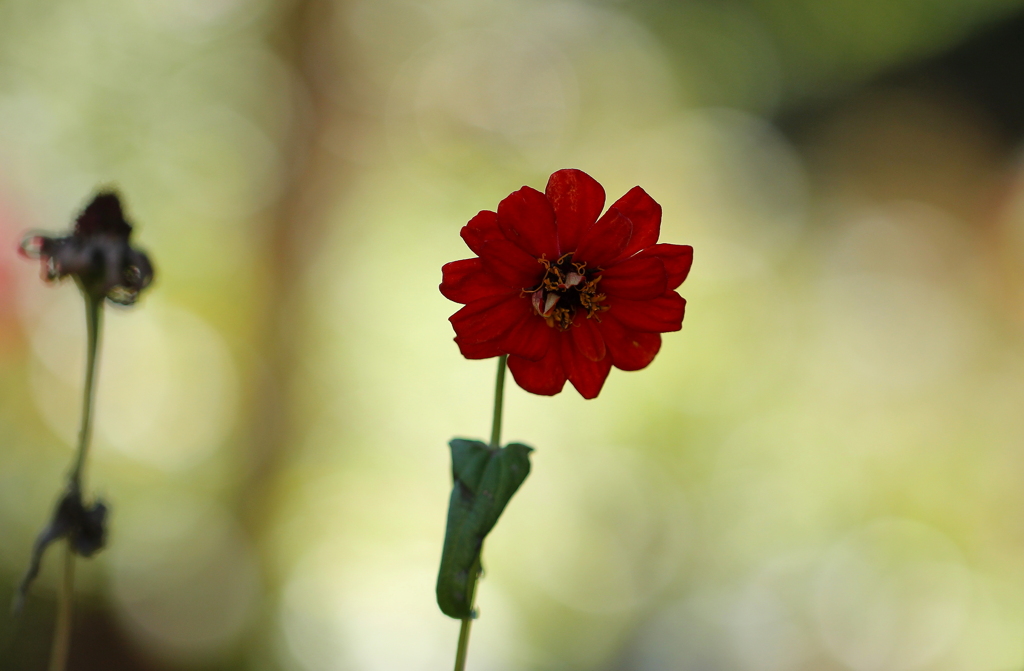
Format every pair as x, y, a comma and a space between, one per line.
467, 622
65, 605
460, 654
499, 399
62, 634
93, 317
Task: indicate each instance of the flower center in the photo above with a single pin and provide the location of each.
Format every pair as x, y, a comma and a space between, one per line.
566, 287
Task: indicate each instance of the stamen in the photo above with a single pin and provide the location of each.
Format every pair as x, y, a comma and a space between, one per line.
32, 246
552, 299
564, 289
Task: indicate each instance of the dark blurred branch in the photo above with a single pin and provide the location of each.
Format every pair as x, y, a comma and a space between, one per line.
313, 176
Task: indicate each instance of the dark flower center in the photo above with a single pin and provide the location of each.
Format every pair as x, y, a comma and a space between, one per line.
567, 286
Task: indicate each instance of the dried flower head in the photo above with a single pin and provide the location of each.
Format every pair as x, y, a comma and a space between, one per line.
96, 254
83, 526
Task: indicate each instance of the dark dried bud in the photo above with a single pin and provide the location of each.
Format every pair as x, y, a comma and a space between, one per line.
84, 527
97, 254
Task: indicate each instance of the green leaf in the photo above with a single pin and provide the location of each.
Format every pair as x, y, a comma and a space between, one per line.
485, 479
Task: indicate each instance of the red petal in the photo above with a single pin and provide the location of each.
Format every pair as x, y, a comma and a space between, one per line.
586, 337
677, 260
638, 279
605, 240
511, 264
587, 376
466, 281
480, 229
526, 219
528, 339
577, 199
488, 318
480, 350
545, 377
645, 214
629, 350
656, 316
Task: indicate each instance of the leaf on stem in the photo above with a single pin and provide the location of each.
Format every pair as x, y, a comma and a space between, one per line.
485, 479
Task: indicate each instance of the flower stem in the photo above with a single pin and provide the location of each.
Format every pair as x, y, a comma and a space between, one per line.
467, 622
62, 634
499, 398
93, 317
65, 605
460, 654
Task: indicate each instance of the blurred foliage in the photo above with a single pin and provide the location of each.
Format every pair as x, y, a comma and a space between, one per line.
768, 55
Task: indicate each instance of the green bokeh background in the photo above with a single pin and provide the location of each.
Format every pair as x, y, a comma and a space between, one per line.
821, 471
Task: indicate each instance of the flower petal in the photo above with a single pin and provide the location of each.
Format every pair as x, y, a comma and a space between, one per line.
605, 240
511, 264
645, 214
528, 339
526, 219
587, 376
103, 216
466, 281
546, 376
488, 318
586, 337
577, 199
654, 316
677, 260
480, 229
638, 279
629, 350
138, 268
480, 350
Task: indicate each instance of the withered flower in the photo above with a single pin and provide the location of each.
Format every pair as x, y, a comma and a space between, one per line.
96, 254
83, 526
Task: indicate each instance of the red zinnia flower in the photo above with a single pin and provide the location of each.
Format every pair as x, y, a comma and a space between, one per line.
565, 294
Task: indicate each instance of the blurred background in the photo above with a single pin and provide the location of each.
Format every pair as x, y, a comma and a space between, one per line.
822, 471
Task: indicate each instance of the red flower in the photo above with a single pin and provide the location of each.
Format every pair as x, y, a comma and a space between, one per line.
565, 294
